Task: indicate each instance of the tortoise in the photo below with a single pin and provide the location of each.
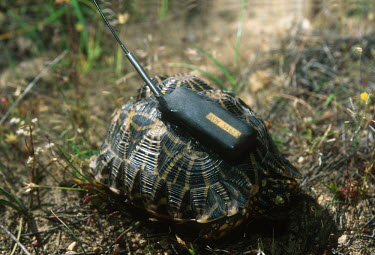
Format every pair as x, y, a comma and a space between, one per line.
157, 166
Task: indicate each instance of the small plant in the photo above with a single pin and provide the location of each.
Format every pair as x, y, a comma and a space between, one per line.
348, 191
333, 188
71, 232
163, 11
14, 202
230, 77
189, 246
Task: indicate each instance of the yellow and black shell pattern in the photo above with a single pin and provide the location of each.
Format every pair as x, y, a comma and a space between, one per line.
159, 167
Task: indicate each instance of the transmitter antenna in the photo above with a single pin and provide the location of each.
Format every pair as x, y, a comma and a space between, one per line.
207, 121
130, 56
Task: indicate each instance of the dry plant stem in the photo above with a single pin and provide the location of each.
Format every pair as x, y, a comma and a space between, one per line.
324, 97
9, 35
331, 163
122, 234
31, 85
14, 239
292, 69
298, 100
214, 251
32, 154
18, 235
324, 136
71, 232
31, 150
57, 227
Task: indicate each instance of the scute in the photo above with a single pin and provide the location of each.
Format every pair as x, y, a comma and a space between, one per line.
160, 168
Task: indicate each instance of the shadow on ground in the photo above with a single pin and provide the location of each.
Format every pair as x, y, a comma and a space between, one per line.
307, 229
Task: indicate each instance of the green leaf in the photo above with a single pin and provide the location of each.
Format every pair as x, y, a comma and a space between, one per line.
239, 32
225, 71
210, 75
11, 197
81, 20
9, 204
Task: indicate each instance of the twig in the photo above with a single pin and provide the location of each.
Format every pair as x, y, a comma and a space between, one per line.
70, 231
89, 253
214, 251
18, 235
123, 233
293, 67
324, 137
31, 85
324, 97
57, 227
368, 223
360, 235
15, 239
367, 236
298, 100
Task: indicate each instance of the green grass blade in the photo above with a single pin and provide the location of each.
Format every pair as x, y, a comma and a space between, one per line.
25, 27
164, 9
84, 36
119, 60
54, 16
239, 32
13, 198
35, 186
93, 52
63, 188
71, 232
75, 172
210, 75
9, 204
225, 71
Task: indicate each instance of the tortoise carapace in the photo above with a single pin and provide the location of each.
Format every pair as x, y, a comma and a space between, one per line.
160, 168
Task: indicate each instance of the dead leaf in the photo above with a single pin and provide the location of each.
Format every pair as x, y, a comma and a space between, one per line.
11, 138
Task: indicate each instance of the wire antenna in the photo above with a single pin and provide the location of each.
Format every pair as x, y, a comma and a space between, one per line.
130, 56
207, 121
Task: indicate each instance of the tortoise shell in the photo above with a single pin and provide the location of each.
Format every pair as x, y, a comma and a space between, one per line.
159, 167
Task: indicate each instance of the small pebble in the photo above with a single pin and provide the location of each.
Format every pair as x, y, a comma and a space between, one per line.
320, 199
139, 252
342, 239
301, 159
73, 246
